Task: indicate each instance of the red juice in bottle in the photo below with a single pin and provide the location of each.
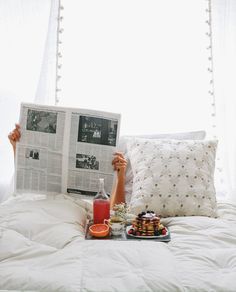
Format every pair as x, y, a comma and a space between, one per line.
101, 205
101, 211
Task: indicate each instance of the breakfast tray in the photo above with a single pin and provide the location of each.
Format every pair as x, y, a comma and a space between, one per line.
124, 236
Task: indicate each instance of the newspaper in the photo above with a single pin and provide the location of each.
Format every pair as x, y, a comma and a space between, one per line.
65, 150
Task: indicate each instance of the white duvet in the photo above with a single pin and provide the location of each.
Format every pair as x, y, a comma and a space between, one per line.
42, 248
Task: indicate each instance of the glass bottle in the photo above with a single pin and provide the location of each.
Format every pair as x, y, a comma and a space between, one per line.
101, 204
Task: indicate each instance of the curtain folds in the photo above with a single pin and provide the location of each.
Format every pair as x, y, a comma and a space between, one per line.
45, 92
28, 61
224, 56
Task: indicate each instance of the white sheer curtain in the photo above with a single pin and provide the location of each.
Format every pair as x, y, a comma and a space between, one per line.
27, 64
144, 59
224, 52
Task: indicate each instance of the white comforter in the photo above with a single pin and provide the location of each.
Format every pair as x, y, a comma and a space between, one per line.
42, 248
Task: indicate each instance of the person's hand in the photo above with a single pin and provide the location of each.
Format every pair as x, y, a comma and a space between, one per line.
119, 163
14, 136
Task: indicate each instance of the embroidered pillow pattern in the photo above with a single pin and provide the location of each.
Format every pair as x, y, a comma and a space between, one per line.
173, 177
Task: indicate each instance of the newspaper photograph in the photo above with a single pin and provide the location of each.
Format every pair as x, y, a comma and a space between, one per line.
64, 150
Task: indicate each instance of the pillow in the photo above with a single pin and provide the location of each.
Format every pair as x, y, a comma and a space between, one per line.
173, 177
122, 147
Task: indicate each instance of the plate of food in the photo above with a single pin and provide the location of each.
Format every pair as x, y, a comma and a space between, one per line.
147, 225
131, 232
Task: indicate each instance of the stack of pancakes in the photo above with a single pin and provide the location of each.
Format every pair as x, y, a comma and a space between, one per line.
147, 224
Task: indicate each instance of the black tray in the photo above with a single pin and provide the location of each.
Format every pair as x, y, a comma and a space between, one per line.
124, 236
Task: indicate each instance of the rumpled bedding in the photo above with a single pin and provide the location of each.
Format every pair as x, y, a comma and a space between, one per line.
42, 248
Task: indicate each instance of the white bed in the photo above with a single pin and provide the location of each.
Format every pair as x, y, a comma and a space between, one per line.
42, 248
42, 245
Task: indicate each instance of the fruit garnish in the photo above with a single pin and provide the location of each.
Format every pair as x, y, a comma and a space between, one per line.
99, 230
130, 231
163, 232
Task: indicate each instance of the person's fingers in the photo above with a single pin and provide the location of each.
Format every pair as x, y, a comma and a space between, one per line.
119, 165
119, 154
11, 136
14, 136
11, 139
17, 128
119, 162
17, 134
117, 159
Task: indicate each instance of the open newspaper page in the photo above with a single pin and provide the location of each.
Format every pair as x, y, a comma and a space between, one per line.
93, 139
65, 150
40, 150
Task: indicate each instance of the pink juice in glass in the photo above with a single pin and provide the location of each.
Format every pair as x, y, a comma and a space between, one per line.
101, 210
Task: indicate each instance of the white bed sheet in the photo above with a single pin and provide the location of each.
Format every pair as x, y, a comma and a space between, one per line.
42, 248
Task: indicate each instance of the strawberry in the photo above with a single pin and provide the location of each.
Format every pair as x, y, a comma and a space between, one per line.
163, 232
131, 231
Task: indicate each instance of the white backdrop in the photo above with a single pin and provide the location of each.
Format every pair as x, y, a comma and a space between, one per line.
144, 59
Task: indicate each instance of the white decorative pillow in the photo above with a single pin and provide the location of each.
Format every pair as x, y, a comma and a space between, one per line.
122, 147
173, 177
